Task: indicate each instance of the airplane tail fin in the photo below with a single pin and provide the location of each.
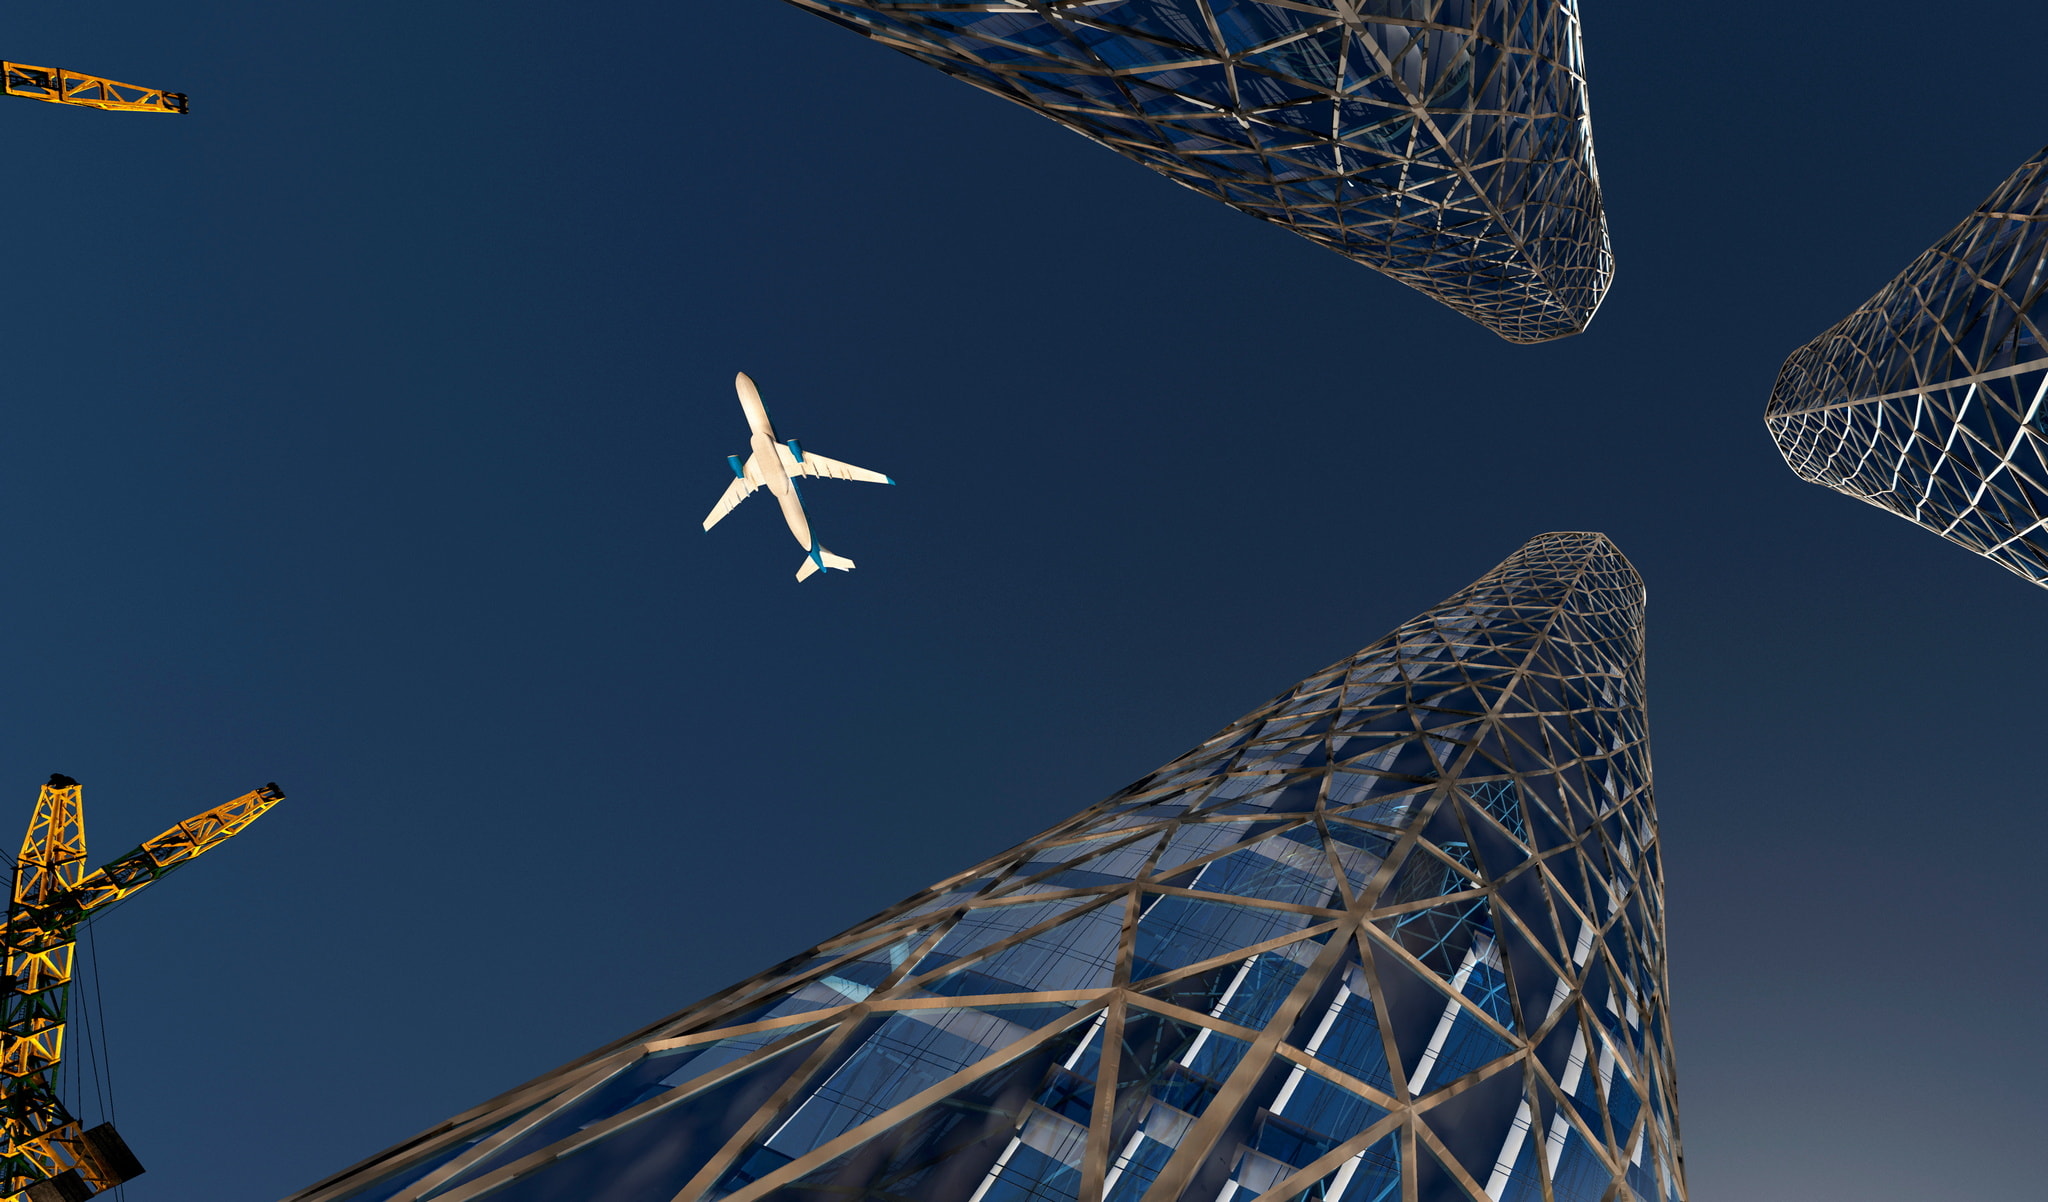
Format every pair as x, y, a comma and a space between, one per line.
834, 563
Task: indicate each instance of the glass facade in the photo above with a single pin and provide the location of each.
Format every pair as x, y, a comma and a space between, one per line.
1443, 142
1926, 401
1395, 936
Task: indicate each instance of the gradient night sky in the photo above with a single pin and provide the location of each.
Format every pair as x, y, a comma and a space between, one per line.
359, 425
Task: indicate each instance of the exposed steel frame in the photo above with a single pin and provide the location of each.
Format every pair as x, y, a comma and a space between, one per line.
59, 85
52, 896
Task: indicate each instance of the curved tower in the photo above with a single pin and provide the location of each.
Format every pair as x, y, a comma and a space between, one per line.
1445, 143
1926, 401
1395, 936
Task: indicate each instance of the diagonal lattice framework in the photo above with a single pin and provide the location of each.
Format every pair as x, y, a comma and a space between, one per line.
1395, 936
1445, 143
1926, 401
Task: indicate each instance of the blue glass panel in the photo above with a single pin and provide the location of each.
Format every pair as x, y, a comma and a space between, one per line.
650, 1160
1194, 840
1138, 1169
1034, 1176
1173, 1062
1479, 1123
1640, 1176
648, 1077
1434, 1183
1273, 869
1623, 1103
911, 1051
1265, 985
1523, 1181
1349, 1039
1329, 1110
1501, 799
1247, 992
1577, 1173
979, 927
1311, 1117
1178, 931
948, 1151
1374, 1175
378, 1191
1463, 1043
1077, 954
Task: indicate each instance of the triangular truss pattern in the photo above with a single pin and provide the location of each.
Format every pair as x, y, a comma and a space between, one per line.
1926, 401
1395, 936
1443, 142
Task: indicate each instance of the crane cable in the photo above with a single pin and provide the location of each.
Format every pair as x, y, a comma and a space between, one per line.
104, 1062
93, 1016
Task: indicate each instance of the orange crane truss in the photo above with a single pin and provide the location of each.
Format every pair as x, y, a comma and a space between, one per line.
45, 1156
59, 85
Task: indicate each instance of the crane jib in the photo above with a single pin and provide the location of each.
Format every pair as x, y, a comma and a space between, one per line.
59, 85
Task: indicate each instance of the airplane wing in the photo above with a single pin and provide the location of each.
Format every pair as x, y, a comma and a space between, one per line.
814, 464
740, 488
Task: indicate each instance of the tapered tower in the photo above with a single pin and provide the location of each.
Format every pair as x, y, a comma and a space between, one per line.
1927, 400
1395, 936
1446, 143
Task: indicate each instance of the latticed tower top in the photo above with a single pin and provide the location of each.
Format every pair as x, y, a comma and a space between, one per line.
1974, 304
1446, 143
1395, 935
1927, 400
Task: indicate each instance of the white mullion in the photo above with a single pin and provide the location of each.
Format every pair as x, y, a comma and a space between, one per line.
1223, 1003
1444, 1024
1123, 1160
1002, 1162
1510, 1151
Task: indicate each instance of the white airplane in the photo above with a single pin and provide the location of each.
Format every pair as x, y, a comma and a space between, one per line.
771, 465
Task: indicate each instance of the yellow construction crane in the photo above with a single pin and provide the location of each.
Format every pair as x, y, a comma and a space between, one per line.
45, 1155
61, 86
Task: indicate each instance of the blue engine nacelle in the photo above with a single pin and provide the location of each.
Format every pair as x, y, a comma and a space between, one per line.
796, 450
738, 469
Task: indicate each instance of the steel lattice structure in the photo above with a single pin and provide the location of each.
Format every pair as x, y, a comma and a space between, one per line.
1445, 143
1926, 401
1395, 936
59, 86
45, 1156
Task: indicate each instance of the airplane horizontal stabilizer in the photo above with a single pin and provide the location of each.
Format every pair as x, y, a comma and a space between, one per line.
837, 563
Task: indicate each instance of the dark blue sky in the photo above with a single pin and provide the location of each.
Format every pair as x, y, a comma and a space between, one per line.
358, 428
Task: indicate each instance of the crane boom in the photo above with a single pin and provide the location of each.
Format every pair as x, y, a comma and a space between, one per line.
52, 895
123, 875
59, 85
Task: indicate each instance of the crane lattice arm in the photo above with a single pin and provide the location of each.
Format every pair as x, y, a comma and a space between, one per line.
59, 85
52, 894
123, 875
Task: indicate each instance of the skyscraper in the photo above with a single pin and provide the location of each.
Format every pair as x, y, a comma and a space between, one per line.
1926, 401
1443, 142
1396, 934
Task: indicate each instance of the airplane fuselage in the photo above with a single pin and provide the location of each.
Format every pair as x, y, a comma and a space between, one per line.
766, 454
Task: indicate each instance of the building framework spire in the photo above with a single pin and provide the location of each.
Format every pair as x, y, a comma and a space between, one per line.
1927, 401
1395, 936
1445, 143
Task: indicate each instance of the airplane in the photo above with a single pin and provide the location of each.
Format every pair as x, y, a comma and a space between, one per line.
772, 465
